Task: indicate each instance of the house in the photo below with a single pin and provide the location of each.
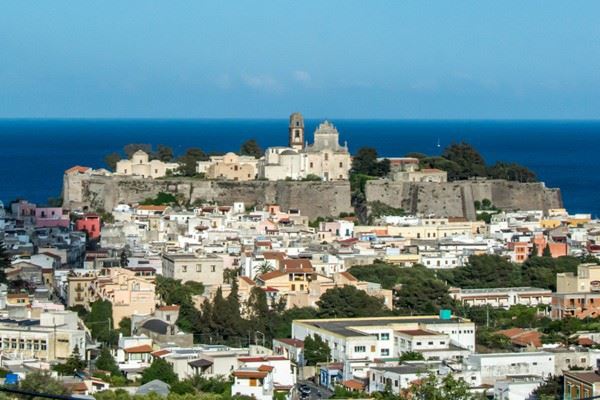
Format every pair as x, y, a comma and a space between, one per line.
502, 297
577, 295
90, 224
357, 341
396, 378
254, 382
581, 384
229, 167
495, 366
206, 268
141, 165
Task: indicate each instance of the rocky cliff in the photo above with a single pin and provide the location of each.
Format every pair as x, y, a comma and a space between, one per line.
452, 199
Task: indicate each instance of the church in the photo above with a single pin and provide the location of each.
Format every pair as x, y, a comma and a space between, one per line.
325, 159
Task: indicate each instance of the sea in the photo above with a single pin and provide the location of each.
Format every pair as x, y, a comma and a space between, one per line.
35, 153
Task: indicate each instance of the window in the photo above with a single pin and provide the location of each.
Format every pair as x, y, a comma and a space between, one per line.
43, 345
359, 349
385, 336
430, 343
341, 164
396, 383
184, 268
213, 268
326, 156
385, 352
418, 343
198, 268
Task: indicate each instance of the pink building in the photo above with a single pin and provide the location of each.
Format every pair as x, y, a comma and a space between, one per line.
90, 223
50, 217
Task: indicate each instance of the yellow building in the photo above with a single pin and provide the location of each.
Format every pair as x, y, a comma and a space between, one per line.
229, 167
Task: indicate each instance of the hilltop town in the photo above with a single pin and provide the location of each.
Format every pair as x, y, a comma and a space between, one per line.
301, 271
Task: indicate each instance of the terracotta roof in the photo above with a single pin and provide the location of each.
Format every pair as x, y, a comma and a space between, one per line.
145, 348
77, 387
247, 280
249, 374
523, 337
585, 342
77, 168
271, 275
270, 289
160, 353
266, 368
348, 276
300, 263
590, 377
292, 342
354, 384
274, 255
169, 308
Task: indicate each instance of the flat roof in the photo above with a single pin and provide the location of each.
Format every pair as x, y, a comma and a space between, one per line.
507, 289
344, 326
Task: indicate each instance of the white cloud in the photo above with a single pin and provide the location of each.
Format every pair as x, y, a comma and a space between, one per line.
262, 82
302, 76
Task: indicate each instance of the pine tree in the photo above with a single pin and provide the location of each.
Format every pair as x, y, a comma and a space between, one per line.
106, 362
547, 252
73, 364
534, 250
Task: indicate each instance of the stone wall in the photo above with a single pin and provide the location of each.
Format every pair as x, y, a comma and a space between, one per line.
451, 199
456, 199
312, 198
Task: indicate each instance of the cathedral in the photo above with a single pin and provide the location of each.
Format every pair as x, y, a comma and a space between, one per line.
325, 158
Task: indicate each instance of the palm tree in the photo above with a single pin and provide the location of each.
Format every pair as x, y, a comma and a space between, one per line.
264, 268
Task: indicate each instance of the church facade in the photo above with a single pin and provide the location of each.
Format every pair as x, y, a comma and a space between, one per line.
325, 158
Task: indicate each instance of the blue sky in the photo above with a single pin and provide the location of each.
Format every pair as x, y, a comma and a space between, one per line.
326, 58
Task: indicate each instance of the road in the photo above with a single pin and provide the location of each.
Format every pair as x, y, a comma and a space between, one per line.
314, 389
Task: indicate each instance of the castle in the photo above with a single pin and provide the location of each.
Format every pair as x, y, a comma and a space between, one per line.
325, 159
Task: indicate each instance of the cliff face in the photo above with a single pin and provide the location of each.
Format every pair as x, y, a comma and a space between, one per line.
312, 198
452, 199
456, 199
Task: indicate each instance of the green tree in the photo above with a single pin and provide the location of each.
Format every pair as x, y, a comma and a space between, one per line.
411, 356
312, 177
125, 326
163, 153
534, 250
189, 161
365, 162
349, 302
42, 382
263, 268
469, 161
73, 364
551, 389
448, 388
106, 362
159, 369
315, 350
251, 148
111, 160
546, 252
161, 198
100, 321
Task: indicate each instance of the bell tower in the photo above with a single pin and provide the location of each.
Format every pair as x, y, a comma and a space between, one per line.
296, 131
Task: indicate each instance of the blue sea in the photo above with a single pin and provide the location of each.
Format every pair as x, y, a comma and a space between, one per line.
564, 154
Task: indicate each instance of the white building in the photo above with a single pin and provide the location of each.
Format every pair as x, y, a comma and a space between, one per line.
325, 158
501, 365
141, 165
354, 341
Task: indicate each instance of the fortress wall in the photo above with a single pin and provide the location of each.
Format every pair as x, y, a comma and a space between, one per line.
455, 199
312, 198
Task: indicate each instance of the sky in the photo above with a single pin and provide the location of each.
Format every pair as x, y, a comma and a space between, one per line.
325, 58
